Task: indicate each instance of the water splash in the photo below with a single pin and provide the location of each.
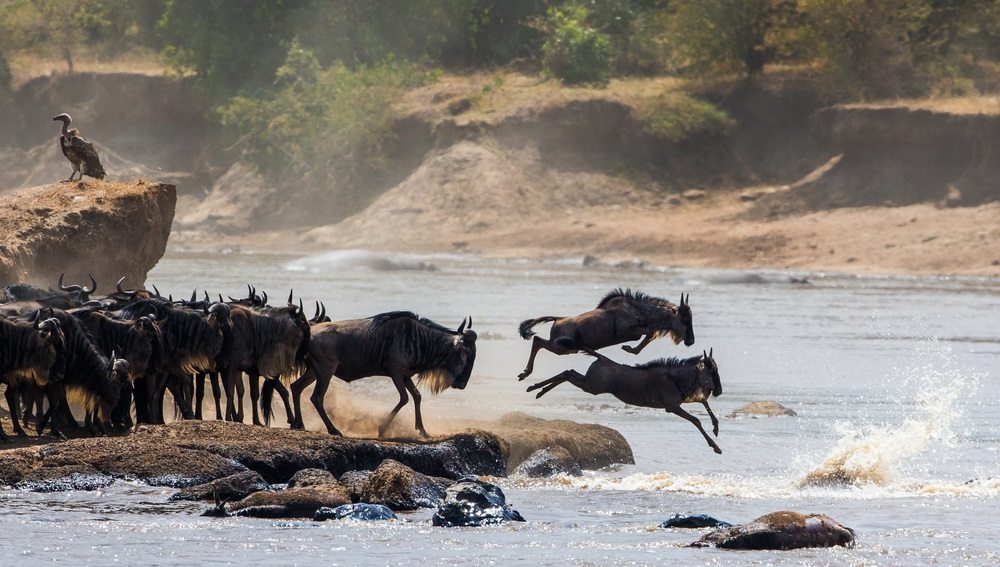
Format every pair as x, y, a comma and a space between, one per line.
873, 455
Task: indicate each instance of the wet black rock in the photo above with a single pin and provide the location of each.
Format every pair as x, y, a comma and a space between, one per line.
399, 487
63, 478
472, 502
781, 530
693, 521
548, 462
233, 487
362, 512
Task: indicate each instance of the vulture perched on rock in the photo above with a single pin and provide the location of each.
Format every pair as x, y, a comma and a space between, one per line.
78, 151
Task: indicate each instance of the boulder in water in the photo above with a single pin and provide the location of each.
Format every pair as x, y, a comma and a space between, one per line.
233, 487
354, 482
592, 446
62, 478
693, 521
399, 487
767, 408
781, 530
472, 502
311, 477
548, 462
362, 512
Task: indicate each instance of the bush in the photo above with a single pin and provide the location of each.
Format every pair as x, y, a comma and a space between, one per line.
574, 52
677, 117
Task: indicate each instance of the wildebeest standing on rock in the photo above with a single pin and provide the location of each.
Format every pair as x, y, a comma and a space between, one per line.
28, 353
398, 344
663, 383
623, 315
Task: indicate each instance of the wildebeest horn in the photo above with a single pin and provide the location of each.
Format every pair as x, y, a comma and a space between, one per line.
710, 351
462, 326
263, 298
194, 295
230, 299
290, 292
316, 313
209, 299
704, 355
220, 298
323, 315
93, 285
118, 286
301, 309
67, 287
157, 291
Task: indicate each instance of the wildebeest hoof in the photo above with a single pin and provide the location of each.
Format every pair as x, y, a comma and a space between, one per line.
718, 451
423, 433
523, 375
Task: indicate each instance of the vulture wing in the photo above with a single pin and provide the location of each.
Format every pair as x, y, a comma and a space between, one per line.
91, 163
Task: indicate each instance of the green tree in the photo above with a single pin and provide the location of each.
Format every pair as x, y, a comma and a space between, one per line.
575, 52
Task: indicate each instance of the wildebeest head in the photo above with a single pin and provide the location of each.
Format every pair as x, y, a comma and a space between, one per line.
684, 314
712, 369
465, 355
219, 313
121, 413
78, 292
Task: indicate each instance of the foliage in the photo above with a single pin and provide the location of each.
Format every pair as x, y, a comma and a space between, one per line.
320, 124
575, 52
677, 117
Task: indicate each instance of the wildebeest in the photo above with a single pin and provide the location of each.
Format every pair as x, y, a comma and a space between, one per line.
397, 344
192, 341
270, 342
663, 383
623, 315
86, 375
27, 354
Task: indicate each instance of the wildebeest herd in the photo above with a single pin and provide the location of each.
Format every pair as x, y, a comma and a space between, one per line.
125, 350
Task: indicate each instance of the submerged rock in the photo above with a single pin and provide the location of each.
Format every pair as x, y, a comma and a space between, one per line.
290, 503
233, 487
63, 478
362, 512
401, 488
548, 462
781, 530
692, 521
472, 502
767, 408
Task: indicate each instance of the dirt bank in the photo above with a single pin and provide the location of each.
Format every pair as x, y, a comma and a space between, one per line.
109, 230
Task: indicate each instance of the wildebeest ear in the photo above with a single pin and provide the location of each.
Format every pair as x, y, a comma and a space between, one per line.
469, 336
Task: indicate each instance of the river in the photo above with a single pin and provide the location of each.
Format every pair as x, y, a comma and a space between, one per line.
893, 378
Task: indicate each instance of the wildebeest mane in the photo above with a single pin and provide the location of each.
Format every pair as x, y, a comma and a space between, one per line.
634, 297
672, 362
87, 372
383, 318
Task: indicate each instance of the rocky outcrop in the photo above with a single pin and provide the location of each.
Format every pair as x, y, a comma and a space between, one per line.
311, 477
592, 446
359, 512
781, 530
94, 227
548, 462
401, 488
290, 503
233, 487
189, 453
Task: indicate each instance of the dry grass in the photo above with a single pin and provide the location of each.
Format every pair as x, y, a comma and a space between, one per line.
27, 66
967, 105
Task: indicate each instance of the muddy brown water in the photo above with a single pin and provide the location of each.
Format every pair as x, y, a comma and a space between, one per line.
894, 380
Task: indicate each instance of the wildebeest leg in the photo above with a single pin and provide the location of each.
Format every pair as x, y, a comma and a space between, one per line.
199, 394
229, 378
547, 385
715, 420
638, 348
400, 384
283, 392
181, 390
254, 379
308, 377
680, 412
156, 398
557, 346
14, 403
217, 393
412, 388
143, 399
318, 395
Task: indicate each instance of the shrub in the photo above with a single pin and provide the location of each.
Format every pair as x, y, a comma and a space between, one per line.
677, 117
574, 52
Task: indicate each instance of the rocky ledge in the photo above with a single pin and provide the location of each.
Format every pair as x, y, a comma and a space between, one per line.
106, 229
190, 453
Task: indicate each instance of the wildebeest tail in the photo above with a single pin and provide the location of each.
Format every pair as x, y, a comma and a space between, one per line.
266, 393
525, 327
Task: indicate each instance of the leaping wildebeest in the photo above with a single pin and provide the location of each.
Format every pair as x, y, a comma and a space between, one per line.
663, 383
623, 315
397, 344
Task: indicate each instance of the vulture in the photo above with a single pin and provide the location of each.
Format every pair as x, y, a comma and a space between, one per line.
80, 153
